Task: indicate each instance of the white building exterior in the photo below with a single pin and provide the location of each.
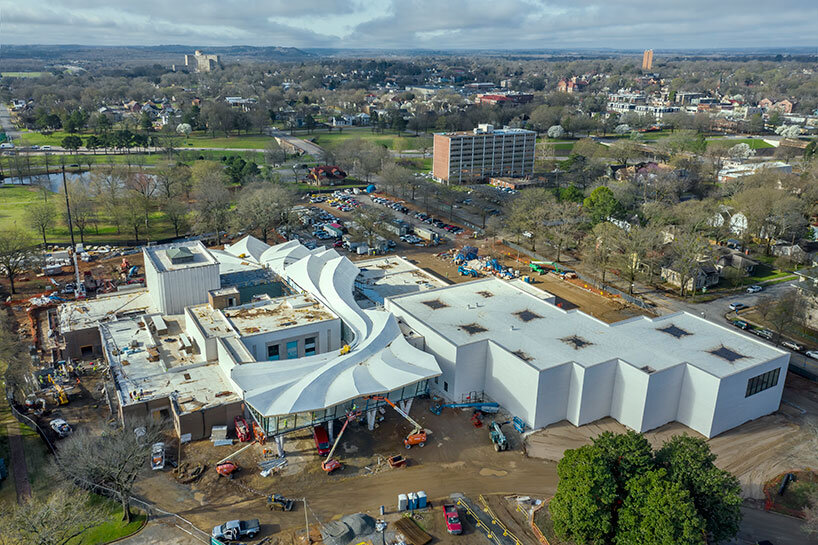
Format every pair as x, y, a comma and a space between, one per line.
180, 275
544, 364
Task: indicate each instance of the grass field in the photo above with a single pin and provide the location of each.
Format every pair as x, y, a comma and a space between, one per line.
13, 202
754, 143
330, 140
23, 74
113, 529
201, 140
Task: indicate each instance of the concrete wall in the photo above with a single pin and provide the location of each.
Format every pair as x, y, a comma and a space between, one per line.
328, 334
510, 381
206, 345
662, 400
471, 374
628, 398
591, 392
75, 340
733, 408
552, 395
697, 399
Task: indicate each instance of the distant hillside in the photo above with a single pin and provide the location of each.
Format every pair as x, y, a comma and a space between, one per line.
31, 57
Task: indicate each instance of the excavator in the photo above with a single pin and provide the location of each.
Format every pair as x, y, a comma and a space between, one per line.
417, 436
331, 464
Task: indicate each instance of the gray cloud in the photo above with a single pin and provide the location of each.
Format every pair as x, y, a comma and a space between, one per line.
414, 23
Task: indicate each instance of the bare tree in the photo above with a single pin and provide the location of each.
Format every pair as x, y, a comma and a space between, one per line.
14, 353
528, 214
689, 250
58, 519
600, 247
274, 154
118, 457
176, 211
82, 205
143, 187
41, 216
369, 223
173, 180
264, 207
16, 249
783, 312
212, 207
561, 225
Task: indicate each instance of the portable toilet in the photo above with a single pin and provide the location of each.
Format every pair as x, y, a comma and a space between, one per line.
403, 502
413, 500
421, 500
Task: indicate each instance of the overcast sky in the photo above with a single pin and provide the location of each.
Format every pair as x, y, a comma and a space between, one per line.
431, 24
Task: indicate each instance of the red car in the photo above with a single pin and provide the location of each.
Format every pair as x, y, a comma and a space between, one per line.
453, 524
319, 434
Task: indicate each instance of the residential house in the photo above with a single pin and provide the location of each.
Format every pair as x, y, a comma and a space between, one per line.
705, 276
327, 175
727, 258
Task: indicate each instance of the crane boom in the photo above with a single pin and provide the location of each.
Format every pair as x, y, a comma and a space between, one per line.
350, 416
399, 410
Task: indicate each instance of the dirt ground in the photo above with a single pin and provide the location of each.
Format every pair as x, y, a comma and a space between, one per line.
457, 458
754, 452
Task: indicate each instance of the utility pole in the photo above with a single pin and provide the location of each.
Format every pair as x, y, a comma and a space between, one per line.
306, 522
68, 208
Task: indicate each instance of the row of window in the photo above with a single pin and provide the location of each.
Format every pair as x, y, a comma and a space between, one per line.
762, 382
291, 349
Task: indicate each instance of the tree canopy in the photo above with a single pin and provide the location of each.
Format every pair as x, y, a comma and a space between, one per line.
618, 490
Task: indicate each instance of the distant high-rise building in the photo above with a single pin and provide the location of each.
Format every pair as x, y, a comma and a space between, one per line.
647, 59
200, 62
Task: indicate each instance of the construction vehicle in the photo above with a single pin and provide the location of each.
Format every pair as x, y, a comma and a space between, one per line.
497, 436
331, 464
484, 407
277, 502
396, 461
158, 456
467, 271
227, 466
417, 436
62, 397
242, 430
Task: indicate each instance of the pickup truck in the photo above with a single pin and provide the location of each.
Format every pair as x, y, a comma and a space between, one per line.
235, 529
453, 525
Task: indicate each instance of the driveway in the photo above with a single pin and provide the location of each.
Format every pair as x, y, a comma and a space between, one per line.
758, 525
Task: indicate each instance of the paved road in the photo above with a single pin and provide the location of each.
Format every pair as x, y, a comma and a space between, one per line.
758, 525
158, 531
5, 122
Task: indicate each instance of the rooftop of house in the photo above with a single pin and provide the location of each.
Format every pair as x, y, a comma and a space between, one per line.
545, 335
87, 313
131, 347
178, 256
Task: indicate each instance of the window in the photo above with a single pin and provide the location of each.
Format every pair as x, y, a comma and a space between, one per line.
445, 386
762, 382
272, 352
309, 346
292, 350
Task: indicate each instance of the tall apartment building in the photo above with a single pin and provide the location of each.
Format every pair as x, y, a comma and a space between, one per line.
485, 152
201, 62
647, 59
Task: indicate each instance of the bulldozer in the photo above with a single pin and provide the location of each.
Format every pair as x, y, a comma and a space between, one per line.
277, 502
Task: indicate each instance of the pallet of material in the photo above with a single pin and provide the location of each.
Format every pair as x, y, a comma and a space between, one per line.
412, 532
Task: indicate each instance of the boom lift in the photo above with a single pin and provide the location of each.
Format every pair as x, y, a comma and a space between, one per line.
331, 464
417, 436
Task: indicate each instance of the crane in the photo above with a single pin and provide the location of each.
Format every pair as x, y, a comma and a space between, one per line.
417, 436
331, 464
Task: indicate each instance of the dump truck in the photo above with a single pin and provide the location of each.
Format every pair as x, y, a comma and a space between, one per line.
233, 530
453, 524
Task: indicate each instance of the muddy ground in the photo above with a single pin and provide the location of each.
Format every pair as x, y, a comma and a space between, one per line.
754, 452
457, 458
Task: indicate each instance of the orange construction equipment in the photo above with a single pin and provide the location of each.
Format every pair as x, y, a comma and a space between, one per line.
417, 436
242, 431
331, 464
227, 468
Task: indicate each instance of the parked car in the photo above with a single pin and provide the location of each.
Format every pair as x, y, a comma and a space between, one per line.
60, 427
45, 148
453, 524
812, 354
737, 306
754, 289
792, 345
158, 456
741, 324
764, 334
321, 438
235, 529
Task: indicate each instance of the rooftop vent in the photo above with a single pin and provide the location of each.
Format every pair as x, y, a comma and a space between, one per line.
180, 255
674, 331
435, 304
726, 354
485, 294
527, 315
576, 342
473, 328
522, 355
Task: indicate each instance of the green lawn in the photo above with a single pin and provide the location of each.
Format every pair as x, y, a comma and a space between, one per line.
754, 143
201, 140
13, 201
330, 140
111, 530
34, 138
23, 74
